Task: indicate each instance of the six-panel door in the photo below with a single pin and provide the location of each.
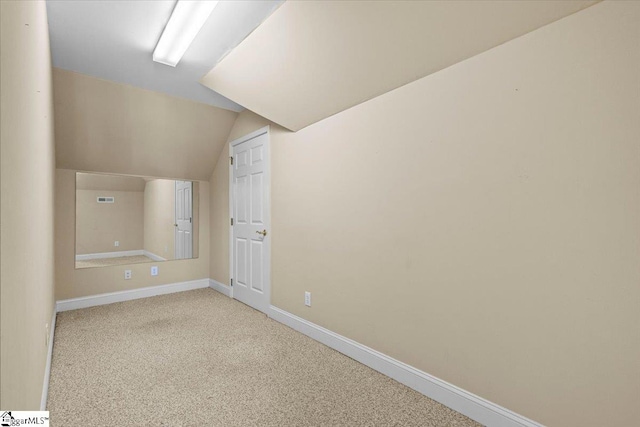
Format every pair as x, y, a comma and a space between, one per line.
250, 253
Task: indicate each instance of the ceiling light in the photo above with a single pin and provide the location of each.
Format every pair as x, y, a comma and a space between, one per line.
186, 20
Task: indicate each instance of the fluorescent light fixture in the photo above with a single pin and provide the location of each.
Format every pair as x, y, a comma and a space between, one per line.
186, 20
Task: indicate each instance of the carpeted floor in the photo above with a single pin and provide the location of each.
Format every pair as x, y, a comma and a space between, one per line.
104, 262
199, 358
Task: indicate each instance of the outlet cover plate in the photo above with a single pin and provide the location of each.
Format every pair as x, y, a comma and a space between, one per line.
307, 299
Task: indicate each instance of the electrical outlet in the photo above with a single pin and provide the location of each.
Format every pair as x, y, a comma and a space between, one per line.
154, 270
116, 243
127, 274
46, 335
307, 299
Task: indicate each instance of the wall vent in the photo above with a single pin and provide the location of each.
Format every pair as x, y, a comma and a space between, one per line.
109, 199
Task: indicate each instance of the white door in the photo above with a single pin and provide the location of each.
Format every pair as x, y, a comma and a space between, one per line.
250, 217
184, 220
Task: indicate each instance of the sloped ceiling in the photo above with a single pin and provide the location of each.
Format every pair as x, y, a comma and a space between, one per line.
114, 40
312, 59
102, 126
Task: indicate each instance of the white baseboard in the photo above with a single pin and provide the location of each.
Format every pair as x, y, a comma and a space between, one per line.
474, 407
222, 288
153, 256
102, 299
47, 369
100, 255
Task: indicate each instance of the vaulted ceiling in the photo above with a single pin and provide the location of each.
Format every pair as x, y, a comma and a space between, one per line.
102, 58
312, 59
102, 126
307, 61
114, 40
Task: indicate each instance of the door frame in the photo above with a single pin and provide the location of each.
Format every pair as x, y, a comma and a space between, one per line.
267, 174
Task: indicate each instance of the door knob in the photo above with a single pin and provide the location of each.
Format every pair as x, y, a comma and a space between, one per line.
263, 232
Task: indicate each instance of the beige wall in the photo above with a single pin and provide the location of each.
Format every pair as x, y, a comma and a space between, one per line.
99, 225
159, 217
219, 219
481, 223
104, 126
72, 283
27, 175
97, 181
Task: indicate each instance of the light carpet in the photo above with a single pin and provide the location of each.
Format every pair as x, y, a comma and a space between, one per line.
104, 262
199, 358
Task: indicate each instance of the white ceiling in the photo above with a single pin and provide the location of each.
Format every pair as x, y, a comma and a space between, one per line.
114, 40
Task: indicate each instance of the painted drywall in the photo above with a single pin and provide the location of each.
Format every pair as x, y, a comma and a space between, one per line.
72, 283
480, 224
312, 59
26, 212
96, 181
100, 225
159, 217
103, 126
219, 218
83, 32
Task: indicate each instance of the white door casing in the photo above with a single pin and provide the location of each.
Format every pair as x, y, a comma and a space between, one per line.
250, 212
184, 220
